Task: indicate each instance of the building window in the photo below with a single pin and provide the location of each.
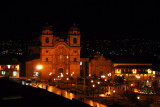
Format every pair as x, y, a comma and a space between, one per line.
46, 51
47, 40
75, 60
134, 71
74, 40
3, 73
9, 66
14, 73
81, 63
46, 59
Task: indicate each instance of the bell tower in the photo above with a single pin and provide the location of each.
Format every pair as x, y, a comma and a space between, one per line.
47, 36
74, 36
75, 48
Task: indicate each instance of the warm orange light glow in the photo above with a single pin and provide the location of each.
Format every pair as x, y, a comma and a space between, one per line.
118, 71
103, 76
39, 67
67, 79
109, 74
61, 74
91, 81
114, 91
89, 75
50, 73
138, 76
134, 71
149, 71
98, 82
17, 67
93, 85
154, 72
131, 84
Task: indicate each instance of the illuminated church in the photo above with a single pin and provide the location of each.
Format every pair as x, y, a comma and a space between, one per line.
57, 56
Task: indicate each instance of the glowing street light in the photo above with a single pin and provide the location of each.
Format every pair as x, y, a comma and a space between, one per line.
39, 67
67, 83
61, 74
50, 73
113, 95
98, 87
93, 86
138, 97
138, 77
98, 82
103, 76
91, 81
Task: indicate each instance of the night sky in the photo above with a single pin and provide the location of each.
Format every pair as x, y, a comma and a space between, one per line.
101, 19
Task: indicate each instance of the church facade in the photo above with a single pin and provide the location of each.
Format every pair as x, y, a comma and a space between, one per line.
57, 56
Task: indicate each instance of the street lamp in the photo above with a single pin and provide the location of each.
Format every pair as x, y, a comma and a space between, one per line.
50, 76
39, 68
61, 82
67, 83
98, 87
105, 83
131, 87
113, 95
93, 86
92, 81
58, 80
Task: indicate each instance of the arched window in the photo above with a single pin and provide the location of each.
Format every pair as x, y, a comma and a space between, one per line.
74, 40
47, 40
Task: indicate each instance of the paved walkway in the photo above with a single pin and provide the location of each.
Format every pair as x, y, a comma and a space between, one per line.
69, 95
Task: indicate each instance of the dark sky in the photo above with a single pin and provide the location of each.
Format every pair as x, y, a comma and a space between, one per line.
101, 19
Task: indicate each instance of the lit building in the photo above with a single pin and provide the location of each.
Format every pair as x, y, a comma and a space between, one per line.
100, 66
9, 68
57, 55
134, 69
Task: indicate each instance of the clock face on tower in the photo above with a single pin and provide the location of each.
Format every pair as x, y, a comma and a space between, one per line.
75, 40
